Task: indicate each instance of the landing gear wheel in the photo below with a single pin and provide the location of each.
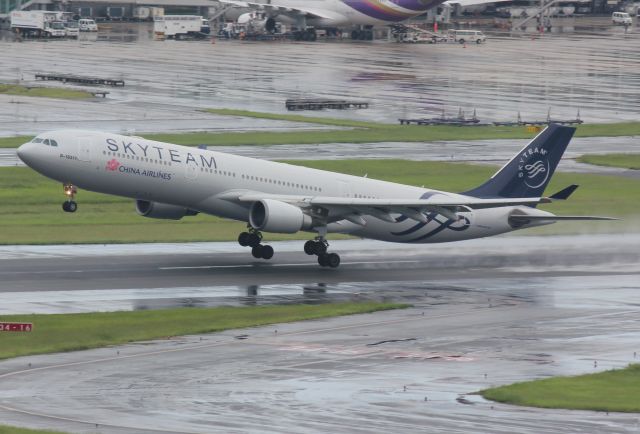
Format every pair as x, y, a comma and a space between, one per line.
243, 239
323, 259
310, 247
333, 260
267, 252
70, 192
254, 239
257, 251
69, 206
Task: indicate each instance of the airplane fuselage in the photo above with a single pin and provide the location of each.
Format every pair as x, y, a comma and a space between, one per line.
202, 180
338, 13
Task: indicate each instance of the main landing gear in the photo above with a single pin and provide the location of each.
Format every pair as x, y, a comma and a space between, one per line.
70, 191
319, 248
252, 239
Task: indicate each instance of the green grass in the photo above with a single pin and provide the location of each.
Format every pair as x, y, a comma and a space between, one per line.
72, 332
625, 161
616, 390
13, 142
13, 430
30, 205
44, 92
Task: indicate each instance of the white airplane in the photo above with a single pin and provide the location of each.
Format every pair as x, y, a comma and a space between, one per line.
310, 14
170, 182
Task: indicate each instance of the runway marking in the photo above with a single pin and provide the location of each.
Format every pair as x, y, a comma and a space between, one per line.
266, 265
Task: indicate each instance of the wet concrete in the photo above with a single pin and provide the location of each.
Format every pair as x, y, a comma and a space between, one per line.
485, 313
596, 74
29, 116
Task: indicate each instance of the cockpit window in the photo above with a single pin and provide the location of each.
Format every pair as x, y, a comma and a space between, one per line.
46, 142
37, 140
53, 142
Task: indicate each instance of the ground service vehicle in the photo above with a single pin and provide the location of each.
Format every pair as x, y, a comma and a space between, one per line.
621, 18
463, 36
180, 26
87, 25
38, 23
72, 29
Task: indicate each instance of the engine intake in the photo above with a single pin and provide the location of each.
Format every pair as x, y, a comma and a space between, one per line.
165, 211
275, 216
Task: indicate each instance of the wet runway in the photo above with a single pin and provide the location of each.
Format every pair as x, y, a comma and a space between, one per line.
596, 74
88, 278
485, 312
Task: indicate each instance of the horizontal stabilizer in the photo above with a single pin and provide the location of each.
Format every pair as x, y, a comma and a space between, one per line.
564, 193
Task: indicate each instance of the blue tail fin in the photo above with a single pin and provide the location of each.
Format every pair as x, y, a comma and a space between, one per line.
529, 172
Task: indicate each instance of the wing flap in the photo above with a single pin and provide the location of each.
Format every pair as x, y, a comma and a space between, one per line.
430, 203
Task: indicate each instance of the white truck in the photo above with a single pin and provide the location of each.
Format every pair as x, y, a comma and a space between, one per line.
147, 13
38, 23
180, 26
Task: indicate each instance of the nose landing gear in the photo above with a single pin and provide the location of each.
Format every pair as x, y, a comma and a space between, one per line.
70, 191
319, 248
252, 239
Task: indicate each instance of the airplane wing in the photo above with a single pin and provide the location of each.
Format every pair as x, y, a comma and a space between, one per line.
278, 8
338, 208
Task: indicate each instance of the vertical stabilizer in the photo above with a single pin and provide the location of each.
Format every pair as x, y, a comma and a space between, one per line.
529, 171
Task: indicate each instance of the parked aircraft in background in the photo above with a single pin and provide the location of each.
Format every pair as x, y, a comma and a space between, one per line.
170, 182
307, 15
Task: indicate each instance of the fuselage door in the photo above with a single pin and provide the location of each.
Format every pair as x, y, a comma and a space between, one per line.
85, 148
191, 171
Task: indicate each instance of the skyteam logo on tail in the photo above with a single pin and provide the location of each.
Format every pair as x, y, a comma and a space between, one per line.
533, 167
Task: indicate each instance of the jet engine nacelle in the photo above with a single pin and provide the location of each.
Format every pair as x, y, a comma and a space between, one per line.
257, 23
157, 210
274, 216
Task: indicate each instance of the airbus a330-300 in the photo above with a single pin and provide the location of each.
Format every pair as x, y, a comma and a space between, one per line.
169, 181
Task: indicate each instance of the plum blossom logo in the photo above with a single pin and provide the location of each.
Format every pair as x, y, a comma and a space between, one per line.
113, 165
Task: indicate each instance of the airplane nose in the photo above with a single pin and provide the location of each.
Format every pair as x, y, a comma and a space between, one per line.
24, 152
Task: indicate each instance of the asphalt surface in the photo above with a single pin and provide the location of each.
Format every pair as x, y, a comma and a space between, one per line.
485, 313
109, 277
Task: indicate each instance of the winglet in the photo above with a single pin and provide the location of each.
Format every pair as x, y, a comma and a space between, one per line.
564, 193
